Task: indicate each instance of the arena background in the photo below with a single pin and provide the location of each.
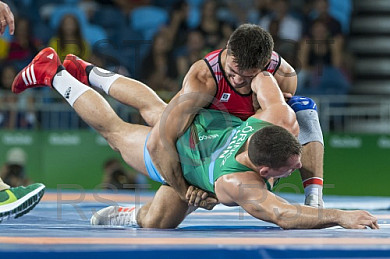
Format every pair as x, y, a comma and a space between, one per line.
351, 90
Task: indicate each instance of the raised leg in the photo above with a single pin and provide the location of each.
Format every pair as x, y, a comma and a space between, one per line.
126, 90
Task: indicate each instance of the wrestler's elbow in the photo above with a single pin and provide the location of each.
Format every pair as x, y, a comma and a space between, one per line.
288, 119
269, 214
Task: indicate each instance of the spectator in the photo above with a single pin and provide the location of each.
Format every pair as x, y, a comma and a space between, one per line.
321, 11
235, 12
178, 26
23, 46
4, 49
286, 48
192, 52
89, 7
13, 172
17, 111
210, 26
69, 39
159, 67
261, 9
320, 55
126, 6
289, 27
117, 177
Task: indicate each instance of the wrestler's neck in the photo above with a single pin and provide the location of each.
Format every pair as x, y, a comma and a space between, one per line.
242, 157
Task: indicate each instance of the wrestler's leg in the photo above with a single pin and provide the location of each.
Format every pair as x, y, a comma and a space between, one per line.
124, 137
126, 90
310, 136
166, 210
138, 95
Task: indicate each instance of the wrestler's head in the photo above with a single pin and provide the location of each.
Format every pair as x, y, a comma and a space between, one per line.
275, 152
249, 50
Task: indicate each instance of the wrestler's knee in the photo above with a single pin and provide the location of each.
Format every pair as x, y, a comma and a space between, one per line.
155, 222
300, 103
306, 112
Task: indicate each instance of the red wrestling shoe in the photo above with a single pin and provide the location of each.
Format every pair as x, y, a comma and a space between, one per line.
77, 68
39, 72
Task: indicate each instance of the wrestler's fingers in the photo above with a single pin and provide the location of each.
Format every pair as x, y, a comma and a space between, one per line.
3, 24
6, 18
208, 203
198, 198
10, 20
193, 197
287, 96
360, 226
375, 224
368, 223
189, 192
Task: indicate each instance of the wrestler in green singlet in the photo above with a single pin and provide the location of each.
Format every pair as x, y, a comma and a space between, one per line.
209, 147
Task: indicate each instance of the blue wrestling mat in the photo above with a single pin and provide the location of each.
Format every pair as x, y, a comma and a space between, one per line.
59, 228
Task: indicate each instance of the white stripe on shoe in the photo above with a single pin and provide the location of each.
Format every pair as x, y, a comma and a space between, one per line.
24, 77
33, 74
28, 75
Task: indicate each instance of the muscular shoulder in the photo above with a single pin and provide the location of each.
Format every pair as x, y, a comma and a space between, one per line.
286, 77
230, 187
199, 78
285, 67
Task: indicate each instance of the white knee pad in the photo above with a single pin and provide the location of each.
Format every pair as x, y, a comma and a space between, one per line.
307, 117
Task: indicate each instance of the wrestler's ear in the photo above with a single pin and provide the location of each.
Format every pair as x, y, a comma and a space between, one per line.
263, 171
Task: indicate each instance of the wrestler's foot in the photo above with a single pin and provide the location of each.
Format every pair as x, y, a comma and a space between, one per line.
115, 216
78, 68
39, 72
15, 202
314, 200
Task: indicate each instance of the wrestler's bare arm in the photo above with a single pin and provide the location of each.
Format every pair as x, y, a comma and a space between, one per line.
286, 78
197, 92
249, 191
273, 107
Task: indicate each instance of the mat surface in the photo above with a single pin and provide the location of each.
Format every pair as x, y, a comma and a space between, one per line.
59, 227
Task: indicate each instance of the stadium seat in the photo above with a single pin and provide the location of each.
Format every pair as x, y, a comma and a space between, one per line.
112, 20
62, 10
134, 48
94, 34
148, 20
194, 16
197, 3
341, 10
109, 17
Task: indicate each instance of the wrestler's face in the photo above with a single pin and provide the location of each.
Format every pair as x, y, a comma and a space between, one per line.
293, 163
239, 79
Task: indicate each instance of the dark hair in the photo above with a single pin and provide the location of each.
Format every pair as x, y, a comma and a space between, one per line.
272, 146
251, 47
79, 40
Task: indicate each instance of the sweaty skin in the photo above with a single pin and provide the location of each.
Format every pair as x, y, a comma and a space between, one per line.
197, 92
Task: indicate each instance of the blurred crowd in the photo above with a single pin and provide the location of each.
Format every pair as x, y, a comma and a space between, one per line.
156, 41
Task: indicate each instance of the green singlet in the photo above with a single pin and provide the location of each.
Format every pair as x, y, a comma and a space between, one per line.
208, 148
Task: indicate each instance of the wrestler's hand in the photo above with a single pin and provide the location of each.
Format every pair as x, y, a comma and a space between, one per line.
209, 203
6, 18
200, 198
287, 96
358, 219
